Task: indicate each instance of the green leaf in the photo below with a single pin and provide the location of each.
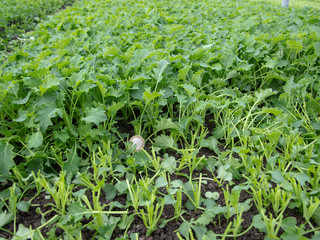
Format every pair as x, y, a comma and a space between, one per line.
110, 190
228, 60
164, 141
48, 82
148, 97
316, 216
45, 113
35, 140
111, 51
211, 143
205, 218
22, 101
258, 222
121, 186
114, 108
294, 46
277, 176
199, 230
165, 123
95, 115
5, 218
302, 178
168, 199
213, 195
24, 233
159, 70
271, 62
22, 116
189, 88
169, 164
288, 223
184, 230
23, 206
217, 67
197, 78
223, 174
73, 161
263, 94
317, 49
161, 182
6, 157
76, 209
184, 72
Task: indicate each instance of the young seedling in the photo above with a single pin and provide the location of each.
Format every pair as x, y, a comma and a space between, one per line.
153, 215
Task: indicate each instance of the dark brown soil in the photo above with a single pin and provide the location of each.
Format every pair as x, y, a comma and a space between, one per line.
218, 225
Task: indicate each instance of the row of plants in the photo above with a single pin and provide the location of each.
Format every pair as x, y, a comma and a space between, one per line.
20, 16
226, 94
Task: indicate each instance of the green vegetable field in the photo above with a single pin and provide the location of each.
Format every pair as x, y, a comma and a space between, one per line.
158, 119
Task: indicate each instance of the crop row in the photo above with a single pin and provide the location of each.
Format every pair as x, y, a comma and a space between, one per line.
19, 16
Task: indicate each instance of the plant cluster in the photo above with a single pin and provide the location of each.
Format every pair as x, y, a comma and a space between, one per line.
20, 16
236, 79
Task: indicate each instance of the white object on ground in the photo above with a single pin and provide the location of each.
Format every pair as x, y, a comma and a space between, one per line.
138, 141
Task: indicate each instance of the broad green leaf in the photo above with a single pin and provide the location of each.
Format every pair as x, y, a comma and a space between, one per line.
110, 191
23, 206
169, 164
164, 141
205, 218
184, 72
62, 135
161, 182
277, 176
48, 82
35, 140
223, 174
217, 67
148, 97
302, 178
316, 216
199, 230
228, 60
5, 218
73, 162
271, 62
75, 210
294, 45
165, 123
211, 143
317, 49
111, 51
169, 200
121, 186
263, 94
184, 229
159, 70
45, 113
95, 115
189, 88
197, 78
288, 223
258, 222
24, 233
114, 108
6, 157
22, 101
22, 116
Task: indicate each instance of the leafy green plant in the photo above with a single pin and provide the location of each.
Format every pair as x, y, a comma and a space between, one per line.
60, 191
153, 215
